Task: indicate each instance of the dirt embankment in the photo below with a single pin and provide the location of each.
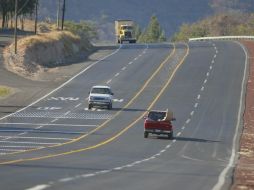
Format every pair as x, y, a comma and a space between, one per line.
244, 172
39, 53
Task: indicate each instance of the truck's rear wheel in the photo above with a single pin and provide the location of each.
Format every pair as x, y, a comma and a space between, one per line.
90, 106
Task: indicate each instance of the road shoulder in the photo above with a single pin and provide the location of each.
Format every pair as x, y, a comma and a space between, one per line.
244, 175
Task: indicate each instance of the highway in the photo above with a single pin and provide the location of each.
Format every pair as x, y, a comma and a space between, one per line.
57, 143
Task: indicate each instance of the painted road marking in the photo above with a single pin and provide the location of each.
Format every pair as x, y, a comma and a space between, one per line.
117, 100
65, 83
68, 115
12, 146
109, 81
130, 63
26, 142
117, 74
78, 105
54, 120
49, 124
64, 98
131, 101
42, 131
123, 68
43, 138
49, 108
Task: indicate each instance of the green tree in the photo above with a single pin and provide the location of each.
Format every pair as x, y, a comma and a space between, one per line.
84, 29
153, 33
7, 9
137, 31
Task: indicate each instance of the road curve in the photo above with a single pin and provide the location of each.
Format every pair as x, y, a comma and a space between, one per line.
58, 144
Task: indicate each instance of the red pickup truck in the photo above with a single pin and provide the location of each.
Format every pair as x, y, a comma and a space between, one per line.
159, 122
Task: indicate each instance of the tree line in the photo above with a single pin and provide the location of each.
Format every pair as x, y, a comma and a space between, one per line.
228, 24
152, 33
7, 10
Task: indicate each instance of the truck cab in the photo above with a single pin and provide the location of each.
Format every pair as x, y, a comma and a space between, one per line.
124, 31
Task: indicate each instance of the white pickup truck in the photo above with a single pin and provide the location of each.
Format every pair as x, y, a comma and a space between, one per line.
100, 96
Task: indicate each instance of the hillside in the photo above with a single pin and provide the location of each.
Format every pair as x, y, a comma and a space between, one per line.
171, 14
223, 24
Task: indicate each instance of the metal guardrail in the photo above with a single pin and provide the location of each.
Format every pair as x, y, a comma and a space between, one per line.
222, 38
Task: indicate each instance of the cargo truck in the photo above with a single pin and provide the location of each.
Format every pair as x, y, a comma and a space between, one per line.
124, 31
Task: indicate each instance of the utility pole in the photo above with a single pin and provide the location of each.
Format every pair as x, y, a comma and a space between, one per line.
36, 17
58, 14
16, 23
63, 14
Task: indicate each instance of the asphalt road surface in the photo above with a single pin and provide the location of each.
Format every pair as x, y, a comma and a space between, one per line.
57, 143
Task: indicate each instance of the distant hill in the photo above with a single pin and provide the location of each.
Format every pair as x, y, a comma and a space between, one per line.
170, 13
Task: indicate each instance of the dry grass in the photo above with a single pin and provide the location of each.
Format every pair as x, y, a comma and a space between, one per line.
4, 91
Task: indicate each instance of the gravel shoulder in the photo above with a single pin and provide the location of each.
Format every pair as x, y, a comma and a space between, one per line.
244, 171
27, 91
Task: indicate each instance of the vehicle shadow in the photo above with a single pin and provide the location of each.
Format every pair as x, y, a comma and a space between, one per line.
195, 140
129, 109
187, 139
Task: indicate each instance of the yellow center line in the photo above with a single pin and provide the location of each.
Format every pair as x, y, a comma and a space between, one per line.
115, 115
113, 137
121, 132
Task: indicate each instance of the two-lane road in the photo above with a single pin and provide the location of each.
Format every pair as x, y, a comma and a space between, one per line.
58, 144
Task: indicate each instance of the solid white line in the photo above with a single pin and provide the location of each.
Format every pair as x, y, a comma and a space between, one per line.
12, 150
221, 179
41, 131
64, 84
25, 142
45, 138
21, 146
48, 124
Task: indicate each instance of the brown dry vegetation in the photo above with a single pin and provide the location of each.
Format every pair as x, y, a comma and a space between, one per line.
39, 52
230, 24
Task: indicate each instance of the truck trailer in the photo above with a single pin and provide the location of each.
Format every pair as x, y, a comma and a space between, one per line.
124, 30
